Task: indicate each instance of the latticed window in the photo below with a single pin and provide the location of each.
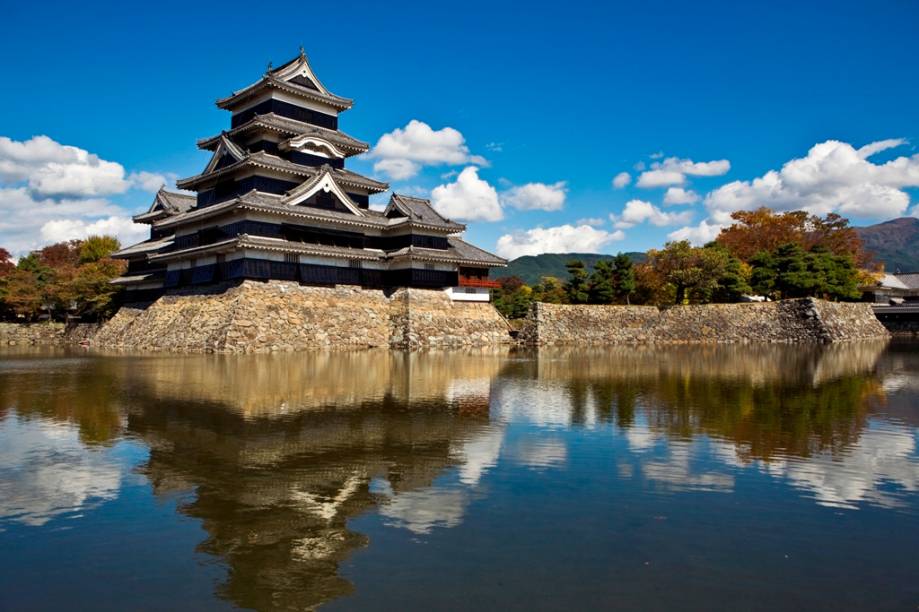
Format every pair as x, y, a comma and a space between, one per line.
291, 258
355, 263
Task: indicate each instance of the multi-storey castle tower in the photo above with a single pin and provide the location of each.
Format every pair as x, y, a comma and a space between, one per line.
276, 202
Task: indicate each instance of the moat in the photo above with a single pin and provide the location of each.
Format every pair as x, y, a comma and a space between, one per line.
758, 477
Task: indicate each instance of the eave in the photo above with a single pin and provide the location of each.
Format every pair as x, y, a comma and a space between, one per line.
271, 162
290, 128
270, 82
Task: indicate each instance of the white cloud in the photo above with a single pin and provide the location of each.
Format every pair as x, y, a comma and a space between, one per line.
536, 196
560, 239
591, 221
402, 152
53, 169
678, 195
22, 216
50, 192
150, 181
639, 211
832, 177
698, 235
469, 198
123, 228
397, 169
621, 180
673, 171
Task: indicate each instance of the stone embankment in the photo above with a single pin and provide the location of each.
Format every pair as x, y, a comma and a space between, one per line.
276, 316
788, 321
44, 334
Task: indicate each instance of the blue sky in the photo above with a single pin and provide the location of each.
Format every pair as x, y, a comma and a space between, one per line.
550, 102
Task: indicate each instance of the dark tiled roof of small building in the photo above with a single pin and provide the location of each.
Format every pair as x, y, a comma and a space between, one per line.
910, 279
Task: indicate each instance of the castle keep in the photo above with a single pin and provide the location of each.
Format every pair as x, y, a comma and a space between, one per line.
275, 202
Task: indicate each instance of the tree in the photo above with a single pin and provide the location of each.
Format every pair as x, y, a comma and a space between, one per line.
92, 287
792, 272
96, 248
22, 293
693, 272
6, 263
763, 230
624, 275
601, 286
733, 283
549, 290
576, 289
60, 255
513, 298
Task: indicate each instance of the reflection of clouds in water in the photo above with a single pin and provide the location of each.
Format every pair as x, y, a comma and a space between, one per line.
900, 382
679, 470
420, 511
639, 436
46, 471
882, 457
478, 454
676, 472
542, 403
536, 453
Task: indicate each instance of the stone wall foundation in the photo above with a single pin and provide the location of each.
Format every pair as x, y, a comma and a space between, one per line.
277, 316
801, 320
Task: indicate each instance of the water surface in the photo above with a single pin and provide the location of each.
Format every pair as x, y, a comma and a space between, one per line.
684, 478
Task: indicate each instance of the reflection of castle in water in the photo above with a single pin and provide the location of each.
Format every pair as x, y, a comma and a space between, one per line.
277, 474
281, 450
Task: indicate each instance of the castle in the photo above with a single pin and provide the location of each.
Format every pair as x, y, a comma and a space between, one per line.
275, 202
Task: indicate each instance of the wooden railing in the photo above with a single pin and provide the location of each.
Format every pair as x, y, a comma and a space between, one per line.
469, 281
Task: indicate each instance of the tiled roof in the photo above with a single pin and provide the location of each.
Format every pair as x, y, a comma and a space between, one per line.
420, 210
146, 246
910, 279
473, 253
459, 251
273, 162
310, 249
269, 81
289, 127
176, 202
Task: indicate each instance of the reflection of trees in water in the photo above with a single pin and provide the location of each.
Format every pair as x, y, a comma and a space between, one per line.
34, 383
767, 399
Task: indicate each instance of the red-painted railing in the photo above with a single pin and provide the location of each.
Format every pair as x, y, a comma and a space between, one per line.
469, 281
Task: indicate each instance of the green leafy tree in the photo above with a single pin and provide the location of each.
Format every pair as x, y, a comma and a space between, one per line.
624, 278
513, 298
96, 248
549, 290
601, 286
733, 281
576, 288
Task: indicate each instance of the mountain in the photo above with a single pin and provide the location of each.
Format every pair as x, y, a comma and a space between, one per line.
531, 268
895, 242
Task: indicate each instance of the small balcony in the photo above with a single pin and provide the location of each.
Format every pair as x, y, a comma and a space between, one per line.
483, 283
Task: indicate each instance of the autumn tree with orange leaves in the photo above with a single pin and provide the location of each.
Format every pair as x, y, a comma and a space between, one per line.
763, 230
